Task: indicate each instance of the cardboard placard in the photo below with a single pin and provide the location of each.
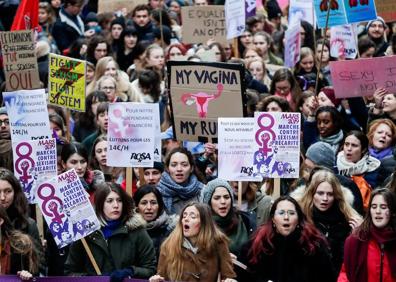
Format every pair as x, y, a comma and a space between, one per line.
200, 93
277, 150
32, 161
201, 23
343, 41
235, 18
66, 208
363, 76
66, 82
386, 9
131, 135
20, 60
28, 114
292, 46
117, 5
236, 149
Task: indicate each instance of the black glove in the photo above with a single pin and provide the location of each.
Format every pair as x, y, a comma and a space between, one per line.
119, 274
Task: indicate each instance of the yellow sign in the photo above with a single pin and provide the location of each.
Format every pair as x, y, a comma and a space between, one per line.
66, 83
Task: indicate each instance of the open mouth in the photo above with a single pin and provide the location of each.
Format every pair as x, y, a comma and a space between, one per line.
286, 225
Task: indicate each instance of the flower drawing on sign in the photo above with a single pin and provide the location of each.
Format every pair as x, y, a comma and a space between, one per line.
119, 124
201, 100
333, 5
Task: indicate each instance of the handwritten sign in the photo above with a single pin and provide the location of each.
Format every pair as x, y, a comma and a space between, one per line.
386, 9
201, 23
277, 150
202, 92
363, 76
32, 160
28, 114
66, 83
131, 134
292, 46
235, 18
343, 41
236, 149
66, 208
20, 61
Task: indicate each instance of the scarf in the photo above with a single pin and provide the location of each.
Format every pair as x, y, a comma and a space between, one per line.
379, 155
169, 189
364, 165
109, 228
158, 222
333, 140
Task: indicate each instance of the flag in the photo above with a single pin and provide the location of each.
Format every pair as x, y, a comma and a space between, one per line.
26, 16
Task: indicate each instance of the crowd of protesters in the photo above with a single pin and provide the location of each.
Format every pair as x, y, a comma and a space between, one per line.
337, 222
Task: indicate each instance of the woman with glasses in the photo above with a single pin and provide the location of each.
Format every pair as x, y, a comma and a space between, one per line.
287, 248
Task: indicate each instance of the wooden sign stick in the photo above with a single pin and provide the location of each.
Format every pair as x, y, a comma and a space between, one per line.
129, 180
39, 221
276, 193
239, 194
90, 255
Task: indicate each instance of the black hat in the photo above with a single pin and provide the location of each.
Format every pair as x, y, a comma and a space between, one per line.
91, 17
273, 10
167, 33
156, 165
118, 20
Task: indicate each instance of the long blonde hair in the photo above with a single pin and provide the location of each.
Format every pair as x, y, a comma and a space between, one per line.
208, 238
319, 177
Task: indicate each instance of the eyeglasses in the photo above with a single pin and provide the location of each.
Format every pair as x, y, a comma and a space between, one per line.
5, 122
108, 88
283, 212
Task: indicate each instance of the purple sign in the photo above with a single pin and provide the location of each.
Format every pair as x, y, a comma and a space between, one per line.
250, 8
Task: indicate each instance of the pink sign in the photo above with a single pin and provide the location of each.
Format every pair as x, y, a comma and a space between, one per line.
363, 76
283, 3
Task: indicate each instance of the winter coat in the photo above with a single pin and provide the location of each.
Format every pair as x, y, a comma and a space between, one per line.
200, 266
260, 208
128, 246
289, 263
66, 31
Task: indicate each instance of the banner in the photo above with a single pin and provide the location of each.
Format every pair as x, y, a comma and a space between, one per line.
250, 8
66, 82
66, 208
201, 23
363, 76
32, 160
344, 12
236, 149
277, 150
28, 114
301, 10
19, 59
26, 16
200, 93
292, 45
131, 134
235, 18
386, 9
343, 41
105, 6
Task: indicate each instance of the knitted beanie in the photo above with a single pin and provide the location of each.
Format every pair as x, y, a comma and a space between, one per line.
329, 92
379, 19
210, 188
322, 154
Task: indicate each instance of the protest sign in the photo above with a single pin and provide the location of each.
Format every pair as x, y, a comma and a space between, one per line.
131, 134
343, 41
28, 114
235, 18
292, 46
66, 82
66, 208
277, 150
32, 160
386, 9
236, 149
344, 12
19, 59
301, 10
201, 23
282, 3
363, 76
250, 8
202, 92
105, 6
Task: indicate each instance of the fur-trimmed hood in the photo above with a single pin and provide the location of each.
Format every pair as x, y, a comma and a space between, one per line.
299, 193
42, 48
135, 222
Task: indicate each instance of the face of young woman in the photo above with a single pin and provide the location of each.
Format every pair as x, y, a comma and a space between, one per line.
6, 194
324, 196
246, 39
282, 87
78, 163
382, 137
174, 53
111, 69
261, 44
273, 107
130, 41
116, 30
55, 128
251, 55
109, 88
90, 74
257, 70
306, 106
100, 51
43, 16
156, 58
102, 121
389, 103
285, 218
323, 100
307, 63
352, 149
369, 53
325, 124
179, 167
191, 222
175, 7
148, 207
101, 152
221, 201
152, 176
112, 207
326, 53
379, 212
